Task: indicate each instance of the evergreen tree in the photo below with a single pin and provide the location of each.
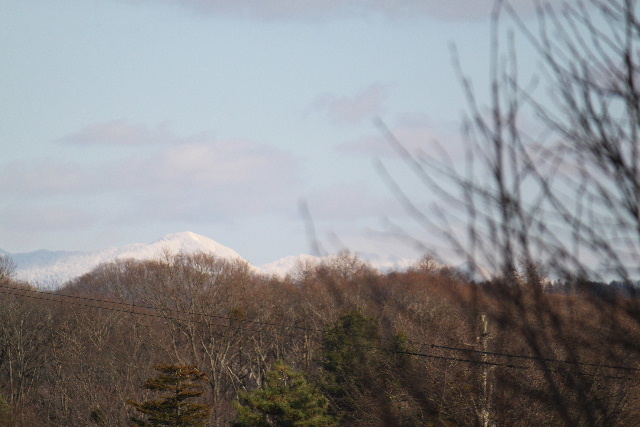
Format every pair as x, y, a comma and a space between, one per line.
172, 408
363, 376
285, 400
349, 351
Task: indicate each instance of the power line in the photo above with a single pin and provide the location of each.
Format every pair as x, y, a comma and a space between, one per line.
540, 358
507, 365
76, 300
153, 312
456, 359
134, 305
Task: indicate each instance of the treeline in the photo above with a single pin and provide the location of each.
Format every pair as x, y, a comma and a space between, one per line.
422, 347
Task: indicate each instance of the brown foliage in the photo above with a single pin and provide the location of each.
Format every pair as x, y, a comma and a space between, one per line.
75, 361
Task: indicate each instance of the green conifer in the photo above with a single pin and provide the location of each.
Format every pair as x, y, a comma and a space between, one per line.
173, 409
286, 399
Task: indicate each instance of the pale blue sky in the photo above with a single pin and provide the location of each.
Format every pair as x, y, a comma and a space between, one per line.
122, 121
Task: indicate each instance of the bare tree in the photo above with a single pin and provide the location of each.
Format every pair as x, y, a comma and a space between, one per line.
550, 187
551, 172
7, 268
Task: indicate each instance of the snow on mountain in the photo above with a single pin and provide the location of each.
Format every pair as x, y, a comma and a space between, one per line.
40, 258
386, 263
50, 270
287, 265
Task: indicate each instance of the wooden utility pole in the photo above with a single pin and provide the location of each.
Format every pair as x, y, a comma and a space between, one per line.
485, 403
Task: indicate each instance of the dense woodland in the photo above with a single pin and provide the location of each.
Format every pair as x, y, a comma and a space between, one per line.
546, 191
422, 347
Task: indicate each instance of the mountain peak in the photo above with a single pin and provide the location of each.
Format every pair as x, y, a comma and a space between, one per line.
189, 242
184, 235
51, 269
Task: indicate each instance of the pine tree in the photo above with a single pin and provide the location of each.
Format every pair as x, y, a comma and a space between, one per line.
285, 400
348, 356
172, 409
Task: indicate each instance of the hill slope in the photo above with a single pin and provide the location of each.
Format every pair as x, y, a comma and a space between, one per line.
49, 270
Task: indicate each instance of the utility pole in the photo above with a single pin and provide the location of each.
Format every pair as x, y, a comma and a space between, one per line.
483, 339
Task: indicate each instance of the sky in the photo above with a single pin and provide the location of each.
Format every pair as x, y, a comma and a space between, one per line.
250, 122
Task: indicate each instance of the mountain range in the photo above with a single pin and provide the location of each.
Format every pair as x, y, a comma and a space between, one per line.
51, 269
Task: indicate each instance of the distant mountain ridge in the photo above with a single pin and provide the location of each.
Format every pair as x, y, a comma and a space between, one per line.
51, 269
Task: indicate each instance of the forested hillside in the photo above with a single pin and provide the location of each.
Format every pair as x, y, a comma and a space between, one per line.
423, 347
545, 183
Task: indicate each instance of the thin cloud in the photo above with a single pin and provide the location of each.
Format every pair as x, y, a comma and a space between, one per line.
43, 218
209, 163
354, 109
46, 178
350, 201
198, 178
415, 132
120, 132
207, 179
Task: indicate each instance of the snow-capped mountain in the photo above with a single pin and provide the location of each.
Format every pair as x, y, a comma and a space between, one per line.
386, 263
51, 269
48, 269
288, 264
